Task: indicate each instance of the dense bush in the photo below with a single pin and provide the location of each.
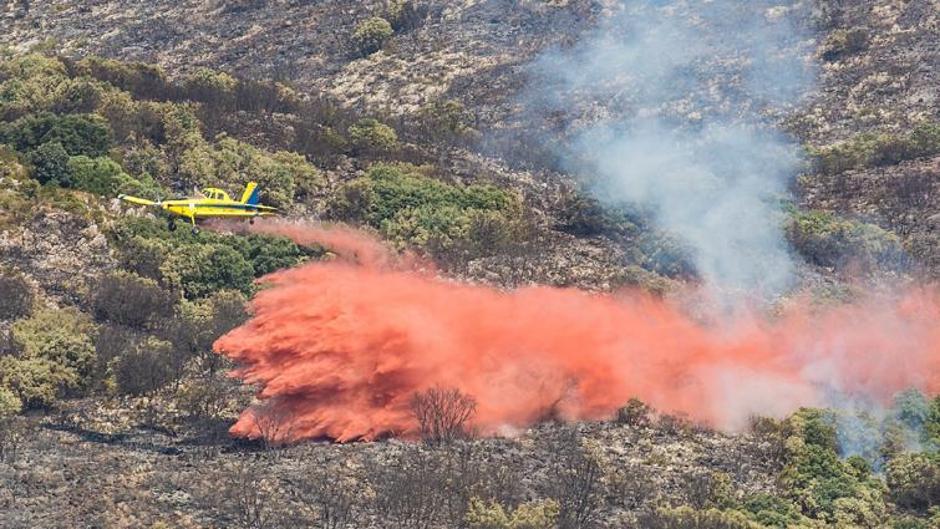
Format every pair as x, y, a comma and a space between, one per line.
914, 480
10, 404
51, 164
540, 514
199, 270
371, 34
16, 296
411, 208
822, 485
827, 240
104, 176
370, 135
130, 300
79, 134
61, 336
36, 382
30, 83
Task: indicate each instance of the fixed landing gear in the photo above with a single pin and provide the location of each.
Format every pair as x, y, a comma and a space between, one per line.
251, 220
171, 224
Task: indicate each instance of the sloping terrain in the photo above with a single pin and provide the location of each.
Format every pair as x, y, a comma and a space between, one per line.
439, 139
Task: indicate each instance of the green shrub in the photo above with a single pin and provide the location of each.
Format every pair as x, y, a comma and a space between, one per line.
143, 256
826, 240
868, 149
268, 254
30, 83
210, 86
103, 176
411, 208
199, 270
10, 404
79, 134
130, 300
60, 336
51, 164
16, 295
914, 480
823, 486
371, 34
36, 382
370, 134
540, 514
773, 511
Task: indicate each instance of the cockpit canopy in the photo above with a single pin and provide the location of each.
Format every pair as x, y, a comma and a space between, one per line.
215, 194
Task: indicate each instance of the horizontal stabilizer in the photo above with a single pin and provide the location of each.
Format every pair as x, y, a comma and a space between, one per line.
137, 200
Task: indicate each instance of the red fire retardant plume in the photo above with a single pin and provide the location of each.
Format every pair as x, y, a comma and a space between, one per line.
339, 348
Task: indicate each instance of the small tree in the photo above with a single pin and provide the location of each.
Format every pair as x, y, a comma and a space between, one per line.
443, 414
372, 135
51, 163
371, 34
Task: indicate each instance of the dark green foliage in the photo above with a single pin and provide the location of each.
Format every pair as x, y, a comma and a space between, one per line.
16, 296
411, 208
826, 240
176, 259
51, 164
201, 269
914, 480
773, 511
822, 485
268, 254
104, 176
79, 134
130, 300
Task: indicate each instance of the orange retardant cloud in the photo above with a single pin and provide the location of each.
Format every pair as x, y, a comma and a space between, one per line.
339, 348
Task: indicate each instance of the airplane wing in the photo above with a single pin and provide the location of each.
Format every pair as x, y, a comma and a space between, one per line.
137, 200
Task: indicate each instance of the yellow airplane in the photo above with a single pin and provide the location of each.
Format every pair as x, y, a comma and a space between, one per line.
213, 203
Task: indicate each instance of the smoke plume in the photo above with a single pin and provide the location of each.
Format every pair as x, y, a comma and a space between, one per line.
680, 100
339, 348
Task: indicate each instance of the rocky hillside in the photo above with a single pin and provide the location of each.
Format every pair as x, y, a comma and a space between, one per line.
416, 121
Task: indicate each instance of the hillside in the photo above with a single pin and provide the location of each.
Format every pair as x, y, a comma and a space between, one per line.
672, 150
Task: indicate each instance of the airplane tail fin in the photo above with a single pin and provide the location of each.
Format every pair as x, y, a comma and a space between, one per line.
251, 196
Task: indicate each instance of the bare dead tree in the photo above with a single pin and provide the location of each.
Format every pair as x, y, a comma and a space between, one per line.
409, 492
274, 424
443, 415
245, 497
325, 497
576, 482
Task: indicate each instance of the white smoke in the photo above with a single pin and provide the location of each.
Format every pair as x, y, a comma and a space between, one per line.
681, 100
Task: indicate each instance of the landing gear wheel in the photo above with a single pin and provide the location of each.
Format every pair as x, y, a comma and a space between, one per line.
171, 225
195, 230
251, 220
